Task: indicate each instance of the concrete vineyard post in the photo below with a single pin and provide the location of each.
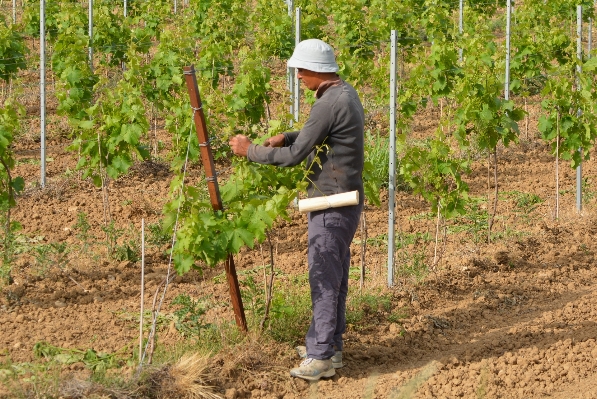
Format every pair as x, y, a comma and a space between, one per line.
460, 26
214, 192
508, 24
297, 84
579, 70
90, 35
290, 71
42, 87
392, 166
123, 65
590, 35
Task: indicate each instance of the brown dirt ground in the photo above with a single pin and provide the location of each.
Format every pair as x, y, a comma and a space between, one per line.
513, 319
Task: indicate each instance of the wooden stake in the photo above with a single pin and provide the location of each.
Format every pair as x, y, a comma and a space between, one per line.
214, 191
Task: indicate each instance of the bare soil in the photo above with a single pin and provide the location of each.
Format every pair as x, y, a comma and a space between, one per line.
516, 318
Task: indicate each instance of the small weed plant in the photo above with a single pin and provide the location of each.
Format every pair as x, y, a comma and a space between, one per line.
366, 308
412, 265
158, 235
7, 247
189, 320
253, 297
474, 221
398, 315
112, 236
376, 152
588, 191
98, 362
403, 240
119, 248
82, 227
524, 202
290, 310
50, 255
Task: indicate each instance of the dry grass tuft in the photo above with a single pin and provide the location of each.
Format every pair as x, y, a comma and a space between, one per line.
187, 379
74, 388
259, 363
250, 356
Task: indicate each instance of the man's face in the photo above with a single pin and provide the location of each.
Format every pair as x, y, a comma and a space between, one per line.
310, 79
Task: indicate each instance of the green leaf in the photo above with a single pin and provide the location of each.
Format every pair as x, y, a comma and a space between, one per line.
86, 125
590, 65
18, 184
183, 263
121, 164
486, 115
97, 180
239, 238
242, 236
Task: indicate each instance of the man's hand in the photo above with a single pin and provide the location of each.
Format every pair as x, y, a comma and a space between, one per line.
276, 141
240, 145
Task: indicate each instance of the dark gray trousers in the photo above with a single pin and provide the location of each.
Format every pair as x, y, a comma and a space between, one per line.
330, 233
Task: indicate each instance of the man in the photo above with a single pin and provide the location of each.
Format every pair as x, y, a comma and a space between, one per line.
337, 121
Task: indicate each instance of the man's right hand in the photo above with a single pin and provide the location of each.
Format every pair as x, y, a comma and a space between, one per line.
276, 141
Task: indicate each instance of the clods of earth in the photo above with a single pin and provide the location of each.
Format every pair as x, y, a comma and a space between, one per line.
514, 318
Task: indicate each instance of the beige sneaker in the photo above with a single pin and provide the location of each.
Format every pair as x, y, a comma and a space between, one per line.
314, 369
336, 359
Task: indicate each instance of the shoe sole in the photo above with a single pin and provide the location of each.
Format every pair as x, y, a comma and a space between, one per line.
327, 374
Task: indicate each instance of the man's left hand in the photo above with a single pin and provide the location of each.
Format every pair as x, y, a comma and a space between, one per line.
240, 145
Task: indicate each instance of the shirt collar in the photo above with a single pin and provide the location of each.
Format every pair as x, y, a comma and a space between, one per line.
326, 85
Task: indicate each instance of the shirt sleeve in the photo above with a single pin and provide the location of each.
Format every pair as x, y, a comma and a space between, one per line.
312, 134
290, 137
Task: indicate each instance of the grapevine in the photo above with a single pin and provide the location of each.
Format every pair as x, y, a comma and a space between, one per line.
111, 34
237, 50
111, 137
70, 63
272, 38
12, 51
10, 115
31, 19
12, 59
255, 197
576, 111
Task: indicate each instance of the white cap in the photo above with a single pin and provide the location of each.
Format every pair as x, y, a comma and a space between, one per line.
314, 55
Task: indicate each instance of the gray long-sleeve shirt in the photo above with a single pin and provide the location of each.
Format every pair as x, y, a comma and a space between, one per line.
337, 120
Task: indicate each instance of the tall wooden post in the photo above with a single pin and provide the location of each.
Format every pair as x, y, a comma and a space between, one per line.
214, 191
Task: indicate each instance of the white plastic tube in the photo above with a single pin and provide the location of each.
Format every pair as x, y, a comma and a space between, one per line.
329, 201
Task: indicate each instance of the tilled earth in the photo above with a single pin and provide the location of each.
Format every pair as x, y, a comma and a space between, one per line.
516, 318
